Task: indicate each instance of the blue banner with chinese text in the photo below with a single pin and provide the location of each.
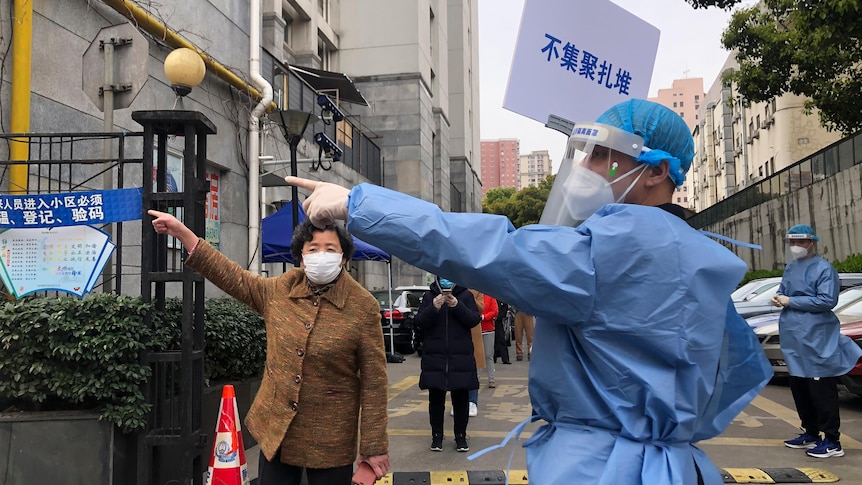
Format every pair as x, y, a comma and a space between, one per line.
70, 209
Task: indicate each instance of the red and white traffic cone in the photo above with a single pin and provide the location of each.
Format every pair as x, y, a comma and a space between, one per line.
227, 462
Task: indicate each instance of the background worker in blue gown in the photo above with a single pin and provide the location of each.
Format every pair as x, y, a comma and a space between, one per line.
815, 351
638, 352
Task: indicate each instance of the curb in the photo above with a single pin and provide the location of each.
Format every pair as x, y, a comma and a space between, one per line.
519, 477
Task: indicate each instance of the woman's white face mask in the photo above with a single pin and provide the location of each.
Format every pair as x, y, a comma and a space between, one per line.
322, 267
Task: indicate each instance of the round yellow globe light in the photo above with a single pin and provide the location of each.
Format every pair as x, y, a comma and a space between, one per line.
185, 69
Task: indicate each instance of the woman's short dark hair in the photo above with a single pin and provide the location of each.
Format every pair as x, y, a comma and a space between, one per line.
305, 233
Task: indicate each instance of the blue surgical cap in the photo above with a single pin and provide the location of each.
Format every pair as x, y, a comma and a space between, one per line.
664, 133
803, 229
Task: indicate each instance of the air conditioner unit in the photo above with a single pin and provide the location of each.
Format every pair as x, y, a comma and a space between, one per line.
764, 124
738, 150
749, 140
756, 134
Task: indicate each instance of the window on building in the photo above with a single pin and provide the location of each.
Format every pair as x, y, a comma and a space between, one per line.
697, 97
674, 103
324, 52
323, 9
685, 199
681, 104
679, 199
287, 26
685, 188
682, 114
279, 89
345, 134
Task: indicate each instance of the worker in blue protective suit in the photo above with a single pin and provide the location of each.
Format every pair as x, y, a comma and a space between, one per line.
815, 351
638, 351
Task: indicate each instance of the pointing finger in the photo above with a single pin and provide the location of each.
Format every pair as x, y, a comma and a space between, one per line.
302, 183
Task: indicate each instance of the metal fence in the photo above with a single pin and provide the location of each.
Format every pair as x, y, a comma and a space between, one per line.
73, 162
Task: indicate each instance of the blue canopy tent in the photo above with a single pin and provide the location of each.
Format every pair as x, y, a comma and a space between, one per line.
278, 232
275, 243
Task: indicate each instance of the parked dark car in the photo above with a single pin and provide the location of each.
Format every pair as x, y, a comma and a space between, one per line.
397, 318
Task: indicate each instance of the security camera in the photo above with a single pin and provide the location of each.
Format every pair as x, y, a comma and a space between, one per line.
329, 110
328, 146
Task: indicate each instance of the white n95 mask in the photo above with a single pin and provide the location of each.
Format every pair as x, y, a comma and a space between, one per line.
322, 268
798, 252
589, 191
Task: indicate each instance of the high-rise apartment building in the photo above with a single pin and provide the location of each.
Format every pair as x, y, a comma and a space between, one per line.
533, 168
500, 164
683, 97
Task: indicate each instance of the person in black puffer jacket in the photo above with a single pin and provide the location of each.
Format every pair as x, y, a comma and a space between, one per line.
447, 359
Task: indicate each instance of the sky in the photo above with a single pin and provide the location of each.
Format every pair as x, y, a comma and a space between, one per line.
689, 46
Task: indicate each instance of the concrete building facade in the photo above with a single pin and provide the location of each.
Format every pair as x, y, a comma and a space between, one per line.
738, 143
416, 64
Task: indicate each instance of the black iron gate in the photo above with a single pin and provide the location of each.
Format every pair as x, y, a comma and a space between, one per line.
173, 445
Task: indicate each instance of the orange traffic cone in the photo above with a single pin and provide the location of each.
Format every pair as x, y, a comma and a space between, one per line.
227, 463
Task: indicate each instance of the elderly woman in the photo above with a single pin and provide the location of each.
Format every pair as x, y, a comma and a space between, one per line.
325, 359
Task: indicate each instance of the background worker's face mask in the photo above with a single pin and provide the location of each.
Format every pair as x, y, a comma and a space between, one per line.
797, 247
588, 173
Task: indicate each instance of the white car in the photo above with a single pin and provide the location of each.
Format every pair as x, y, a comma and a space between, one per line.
755, 287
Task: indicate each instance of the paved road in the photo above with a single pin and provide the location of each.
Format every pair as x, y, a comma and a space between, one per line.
754, 439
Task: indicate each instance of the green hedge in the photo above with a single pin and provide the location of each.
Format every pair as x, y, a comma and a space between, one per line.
83, 354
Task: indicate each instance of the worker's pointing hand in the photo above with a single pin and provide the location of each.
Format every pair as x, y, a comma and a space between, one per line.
327, 202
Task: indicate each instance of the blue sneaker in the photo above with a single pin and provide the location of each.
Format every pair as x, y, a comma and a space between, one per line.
826, 449
804, 441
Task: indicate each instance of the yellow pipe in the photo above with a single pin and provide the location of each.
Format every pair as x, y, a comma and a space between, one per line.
22, 45
145, 21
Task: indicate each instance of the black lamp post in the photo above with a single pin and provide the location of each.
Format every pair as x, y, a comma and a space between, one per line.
293, 124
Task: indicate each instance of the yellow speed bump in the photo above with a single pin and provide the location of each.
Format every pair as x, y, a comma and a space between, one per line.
747, 475
777, 475
819, 476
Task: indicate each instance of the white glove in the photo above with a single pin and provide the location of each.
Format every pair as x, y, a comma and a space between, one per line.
327, 202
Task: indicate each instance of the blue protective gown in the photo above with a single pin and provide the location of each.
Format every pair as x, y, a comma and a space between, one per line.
811, 340
638, 352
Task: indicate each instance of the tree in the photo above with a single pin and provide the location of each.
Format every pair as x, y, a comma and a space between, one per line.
807, 48
722, 4
522, 207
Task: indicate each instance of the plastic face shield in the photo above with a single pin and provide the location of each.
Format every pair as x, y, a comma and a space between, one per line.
796, 247
582, 184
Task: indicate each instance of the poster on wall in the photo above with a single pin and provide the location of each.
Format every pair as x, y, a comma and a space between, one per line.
68, 259
213, 227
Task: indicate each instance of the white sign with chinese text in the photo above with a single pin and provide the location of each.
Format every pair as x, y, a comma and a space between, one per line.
577, 58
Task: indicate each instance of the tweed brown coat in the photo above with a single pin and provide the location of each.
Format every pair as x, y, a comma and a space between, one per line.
325, 360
